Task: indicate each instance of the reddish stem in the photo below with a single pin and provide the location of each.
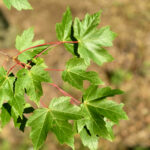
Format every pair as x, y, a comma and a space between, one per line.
65, 93
38, 55
43, 104
50, 43
12, 68
56, 43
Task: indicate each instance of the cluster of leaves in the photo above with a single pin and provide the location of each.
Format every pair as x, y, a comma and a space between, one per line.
93, 117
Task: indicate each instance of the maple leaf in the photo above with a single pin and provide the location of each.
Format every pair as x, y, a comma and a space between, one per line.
30, 80
92, 40
64, 30
75, 73
54, 119
24, 41
18, 4
7, 93
96, 104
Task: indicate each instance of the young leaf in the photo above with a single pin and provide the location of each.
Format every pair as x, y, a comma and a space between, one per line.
30, 80
75, 73
91, 40
63, 30
24, 41
18, 4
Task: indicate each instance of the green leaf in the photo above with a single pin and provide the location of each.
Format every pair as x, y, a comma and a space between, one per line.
92, 40
64, 132
107, 108
40, 124
55, 119
75, 73
18, 4
6, 86
30, 80
95, 123
109, 126
63, 30
62, 108
96, 104
15, 116
89, 140
7, 93
18, 103
5, 114
7, 3
95, 93
24, 41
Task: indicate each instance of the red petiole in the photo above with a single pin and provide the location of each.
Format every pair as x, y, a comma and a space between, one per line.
50, 43
65, 93
28, 66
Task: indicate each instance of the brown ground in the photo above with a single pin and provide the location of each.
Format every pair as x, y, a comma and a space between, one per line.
130, 20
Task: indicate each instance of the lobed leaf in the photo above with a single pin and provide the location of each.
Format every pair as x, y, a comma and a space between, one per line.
30, 80
64, 30
40, 124
92, 40
55, 119
97, 105
24, 41
75, 73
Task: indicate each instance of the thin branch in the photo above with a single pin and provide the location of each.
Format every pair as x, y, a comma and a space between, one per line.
12, 68
65, 93
22, 64
50, 43
38, 55
43, 104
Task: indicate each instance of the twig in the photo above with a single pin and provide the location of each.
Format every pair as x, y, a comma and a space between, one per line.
50, 43
12, 68
43, 104
65, 93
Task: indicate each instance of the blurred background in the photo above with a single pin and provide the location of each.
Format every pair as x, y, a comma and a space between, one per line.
130, 71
